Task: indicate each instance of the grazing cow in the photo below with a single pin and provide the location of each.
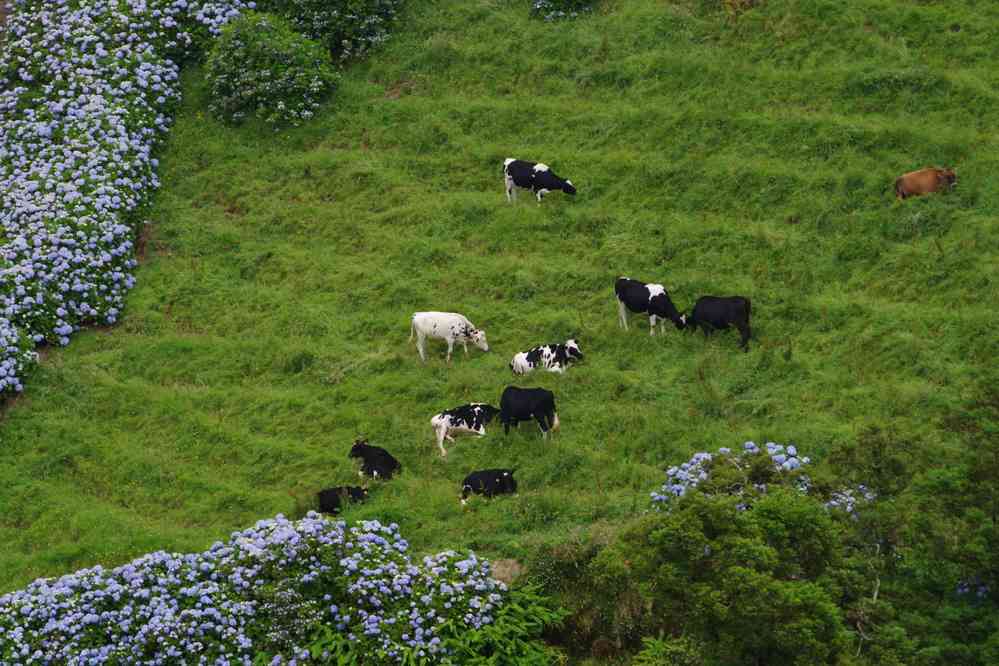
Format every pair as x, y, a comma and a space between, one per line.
520, 404
638, 296
472, 418
714, 312
375, 461
448, 326
488, 482
533, 176
924, 181
554, 358
331, 499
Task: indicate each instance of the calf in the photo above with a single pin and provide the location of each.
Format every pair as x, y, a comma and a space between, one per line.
448, 326
488, 482
472, 417
520, 404
638, 296
715, 312
331, 499
554, 358
924, 181
533, 176
375, 461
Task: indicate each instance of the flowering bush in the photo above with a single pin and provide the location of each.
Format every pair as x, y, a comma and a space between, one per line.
261, 66
270, 589
348, 28
553, 10
86, 92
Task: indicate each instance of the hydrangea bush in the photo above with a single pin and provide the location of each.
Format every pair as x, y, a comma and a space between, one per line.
554, 10
260, 66
748, 473
269, 590
348, 28
86, 93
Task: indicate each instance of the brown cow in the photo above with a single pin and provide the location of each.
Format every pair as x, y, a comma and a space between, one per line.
924, 181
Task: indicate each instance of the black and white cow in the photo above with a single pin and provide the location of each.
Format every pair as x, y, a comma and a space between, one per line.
488, 482
720, 312
533, 176
375, 461
523, 404
471, 418
554, 357
331, 499
450, 327
638, 296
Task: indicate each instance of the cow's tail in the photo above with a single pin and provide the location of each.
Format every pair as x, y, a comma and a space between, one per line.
749, 308
412, 328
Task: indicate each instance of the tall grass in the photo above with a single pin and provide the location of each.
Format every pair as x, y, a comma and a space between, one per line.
721, 154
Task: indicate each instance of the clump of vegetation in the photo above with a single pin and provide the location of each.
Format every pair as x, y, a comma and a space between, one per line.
348, 28
262, 67
553, 10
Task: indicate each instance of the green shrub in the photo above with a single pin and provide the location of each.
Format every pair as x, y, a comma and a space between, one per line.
552, 10
348, 28
260, 66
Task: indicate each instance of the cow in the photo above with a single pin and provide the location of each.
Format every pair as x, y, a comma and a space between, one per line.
553, 357
375, 461
523, 404
924, 181
638, 296
471, 418
448, 326
533, 176
719, 312
488, 482
331, 499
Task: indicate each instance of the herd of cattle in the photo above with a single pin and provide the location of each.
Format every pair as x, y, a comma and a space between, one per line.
517, 404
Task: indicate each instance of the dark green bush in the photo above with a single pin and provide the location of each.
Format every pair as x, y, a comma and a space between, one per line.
261, 67
348, 28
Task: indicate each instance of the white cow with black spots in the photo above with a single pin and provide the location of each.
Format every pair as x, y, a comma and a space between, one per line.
448, 326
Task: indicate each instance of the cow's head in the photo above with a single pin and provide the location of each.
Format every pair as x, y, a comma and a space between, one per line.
466, 490
488, 412
358, 449
508, 482
572, 349
478, 337
681, 321
569, 188
947, 178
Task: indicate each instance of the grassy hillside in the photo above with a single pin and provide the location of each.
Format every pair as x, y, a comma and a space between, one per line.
749, 156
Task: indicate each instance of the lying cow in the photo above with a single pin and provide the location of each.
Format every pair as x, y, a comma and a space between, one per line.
638, 296
554, 358
471, 418
375, 461
331, 499
924, 181
533, 176
520, 404
717, 312
448, 326
488, 482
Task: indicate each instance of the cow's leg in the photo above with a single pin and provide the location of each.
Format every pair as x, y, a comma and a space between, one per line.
464, 343
744, 331
511, 194
542, 420
506, 427
622, 314
652, 324
450, 346
539, 195
421, 343
441, 436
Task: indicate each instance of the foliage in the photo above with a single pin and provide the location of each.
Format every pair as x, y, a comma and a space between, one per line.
273, 588
349, 28
79, 119
553, 10
261, 67
668, 652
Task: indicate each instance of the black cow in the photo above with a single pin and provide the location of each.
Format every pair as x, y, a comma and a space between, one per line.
375, 461
533, 176
554, 357
524, 404
472, 418
331, 499
488, 482
638, 296
718, 312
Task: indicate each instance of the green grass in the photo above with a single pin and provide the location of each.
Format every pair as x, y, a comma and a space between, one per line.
749, 156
